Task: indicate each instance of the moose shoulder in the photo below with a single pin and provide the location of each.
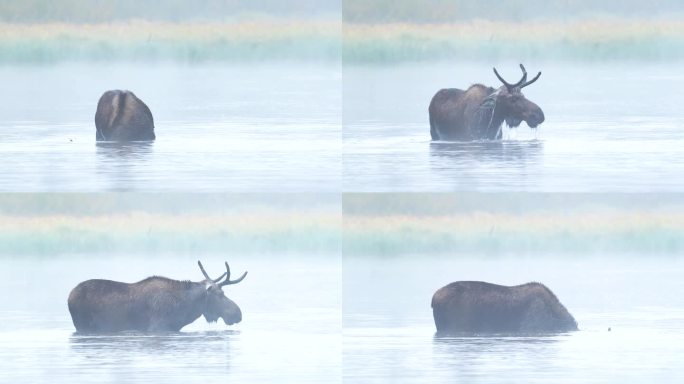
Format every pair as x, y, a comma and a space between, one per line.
479, 112
122, 116
479, 307
152, 305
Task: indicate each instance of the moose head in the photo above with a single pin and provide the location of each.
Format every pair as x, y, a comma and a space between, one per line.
217, 304
512, 104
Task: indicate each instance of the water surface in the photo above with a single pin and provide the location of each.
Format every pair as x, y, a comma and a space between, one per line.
290, 329
389, 334
609, 128
260, 127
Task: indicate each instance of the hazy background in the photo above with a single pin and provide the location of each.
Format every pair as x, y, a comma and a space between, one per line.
614, 260
290, 300
409, 30
182, 30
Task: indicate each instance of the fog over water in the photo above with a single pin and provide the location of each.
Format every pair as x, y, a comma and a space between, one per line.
290, 329
293, 142
608, 128
270, 127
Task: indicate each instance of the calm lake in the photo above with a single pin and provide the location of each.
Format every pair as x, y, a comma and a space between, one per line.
609, 128
389, 332
290, 330
256, 127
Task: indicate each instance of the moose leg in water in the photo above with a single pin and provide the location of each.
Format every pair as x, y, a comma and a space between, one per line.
151, 305
479, 112
122, 116
479, 307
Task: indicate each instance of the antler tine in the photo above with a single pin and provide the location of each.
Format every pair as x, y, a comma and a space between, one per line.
531, 81
228, 281
507, 84
206, 276
203, 271
523, 79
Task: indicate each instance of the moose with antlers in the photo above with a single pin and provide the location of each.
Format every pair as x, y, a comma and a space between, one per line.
478, 112
155, 304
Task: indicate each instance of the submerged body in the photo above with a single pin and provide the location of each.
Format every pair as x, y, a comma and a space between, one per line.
480, 307
154, 304
122, 116
459, 115
478, 112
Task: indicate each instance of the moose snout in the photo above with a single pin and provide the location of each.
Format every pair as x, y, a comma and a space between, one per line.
233, 317
535, 117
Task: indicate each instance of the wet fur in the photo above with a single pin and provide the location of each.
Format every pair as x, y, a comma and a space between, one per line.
122, 116
479, 307
153, 304
461, 115
453, 111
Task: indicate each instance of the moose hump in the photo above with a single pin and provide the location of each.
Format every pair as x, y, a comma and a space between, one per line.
478, 112
155, 304
122, 116
479, 307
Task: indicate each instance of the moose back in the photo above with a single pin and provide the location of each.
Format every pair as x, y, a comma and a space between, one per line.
479, 112
155, 304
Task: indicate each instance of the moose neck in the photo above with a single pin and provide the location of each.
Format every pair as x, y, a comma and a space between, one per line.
488, 118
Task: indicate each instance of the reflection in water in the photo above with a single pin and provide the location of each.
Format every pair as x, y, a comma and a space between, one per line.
211, 137
136, 150
121, 161
521, 152
165, 343
480, 340
487, 164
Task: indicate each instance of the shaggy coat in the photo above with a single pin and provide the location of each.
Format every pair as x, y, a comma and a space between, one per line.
122, 116
479, 307
479, 112
154, 304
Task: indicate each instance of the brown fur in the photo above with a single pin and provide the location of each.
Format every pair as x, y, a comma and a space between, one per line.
454, 113
151, 305
122, 116
479, 307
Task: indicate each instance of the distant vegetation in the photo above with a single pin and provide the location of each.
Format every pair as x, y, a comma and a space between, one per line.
447, 11
581, 40
98, 11
377, 31
187, 42
48, 225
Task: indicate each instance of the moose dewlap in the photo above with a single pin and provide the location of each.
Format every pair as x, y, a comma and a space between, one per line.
155, 304
479, 307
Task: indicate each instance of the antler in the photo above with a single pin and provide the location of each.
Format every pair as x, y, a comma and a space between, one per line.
207, 276
228, 281
531, 81
520, 84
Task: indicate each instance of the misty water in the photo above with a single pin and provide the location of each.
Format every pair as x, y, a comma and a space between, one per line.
610, 127
243, 127
290, 329
389, 334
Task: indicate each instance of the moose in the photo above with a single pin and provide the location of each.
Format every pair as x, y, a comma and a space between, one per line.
479, 112
155, 304
480, 307
122, 116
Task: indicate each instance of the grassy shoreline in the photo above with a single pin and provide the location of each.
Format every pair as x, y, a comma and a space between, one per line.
595, 40
189, 42
329, 40
155, 233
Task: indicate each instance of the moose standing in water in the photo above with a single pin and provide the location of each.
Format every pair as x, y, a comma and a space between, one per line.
478, 112
156, 304
479, 307
122, 116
